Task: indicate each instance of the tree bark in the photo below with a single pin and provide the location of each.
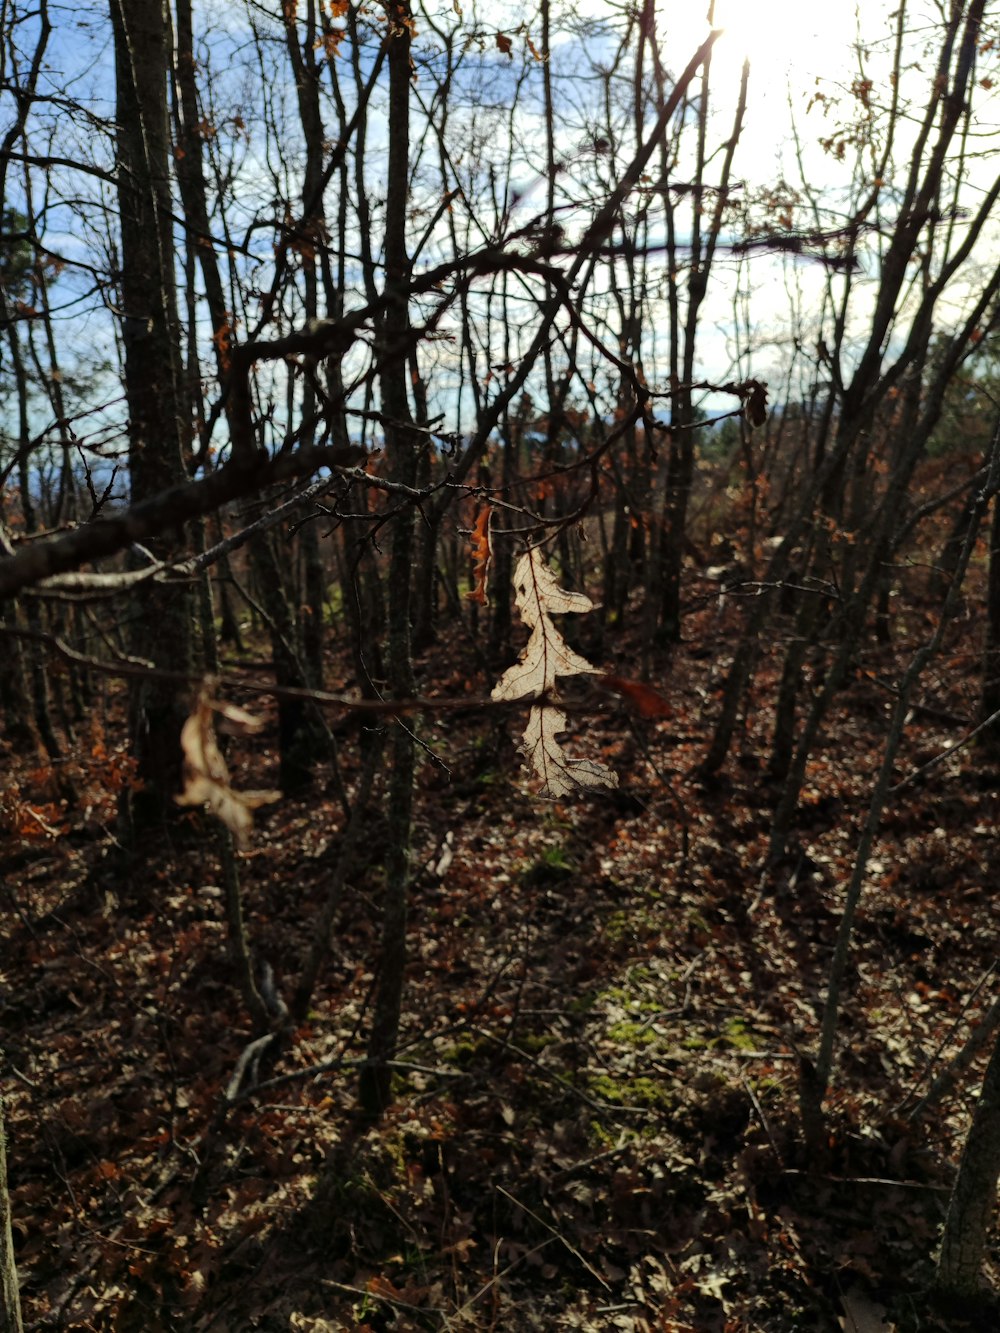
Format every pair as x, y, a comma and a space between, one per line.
36, 673
681, 457
401, 450
10, 1302
973, 1200
297, 738
989, 702
161, 620
313, 233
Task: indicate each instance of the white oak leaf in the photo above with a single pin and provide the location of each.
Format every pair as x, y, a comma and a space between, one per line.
545, 658
561, 775
536, 592
206, 777
236, 721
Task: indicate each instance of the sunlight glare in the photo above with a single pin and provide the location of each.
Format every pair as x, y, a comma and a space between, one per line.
780, 35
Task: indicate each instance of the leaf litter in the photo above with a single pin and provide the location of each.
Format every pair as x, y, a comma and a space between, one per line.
595, 1122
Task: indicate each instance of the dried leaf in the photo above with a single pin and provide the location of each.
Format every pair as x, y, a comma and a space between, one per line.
537, 594
561, 776
545, 657
646, 701
206, 777
236, 721
482, 555
504, 43
755, 402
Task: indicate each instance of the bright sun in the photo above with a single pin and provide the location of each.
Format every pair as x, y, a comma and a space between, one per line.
775, 35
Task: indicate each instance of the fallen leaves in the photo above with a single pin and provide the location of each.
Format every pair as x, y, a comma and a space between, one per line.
605, 1077
29, 822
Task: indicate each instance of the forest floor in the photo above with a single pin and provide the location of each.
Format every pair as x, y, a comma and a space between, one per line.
596, 1121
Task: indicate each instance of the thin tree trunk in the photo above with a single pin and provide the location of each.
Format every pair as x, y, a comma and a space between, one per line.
809, 624
36, 671
10, 1301
989, 702
14, 697
973, 1200
239, 944
313, 232
347, 852
680, 470
297, 740
161, 624
401, 446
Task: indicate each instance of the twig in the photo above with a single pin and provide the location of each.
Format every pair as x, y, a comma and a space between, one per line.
375, 1292
606, 1107
556, 1236
170, 508
869, 1180
250, 1056
568, 1172
764, 1124
977, 1039
932, 1059
340, 1062
498, 1277
944, 754
133, 666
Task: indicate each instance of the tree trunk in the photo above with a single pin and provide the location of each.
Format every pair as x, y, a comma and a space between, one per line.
313, 232
10, 1303
990, 698
160, 618
674, 529
401, 450
32, 613
347, 855
297, 739
810, 620
14, 698
973, 1200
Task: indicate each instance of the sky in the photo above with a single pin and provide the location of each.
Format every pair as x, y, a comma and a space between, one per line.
799, 54
796, 50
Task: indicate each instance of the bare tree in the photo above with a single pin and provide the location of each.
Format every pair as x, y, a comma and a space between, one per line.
402, 445
161, 626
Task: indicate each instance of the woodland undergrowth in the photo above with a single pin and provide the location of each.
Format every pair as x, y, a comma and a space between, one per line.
595, 1115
